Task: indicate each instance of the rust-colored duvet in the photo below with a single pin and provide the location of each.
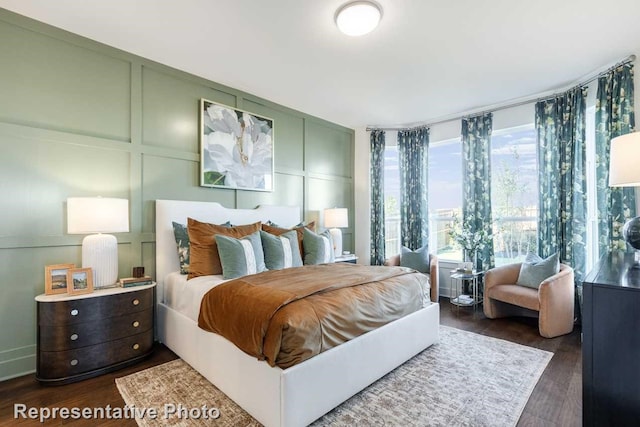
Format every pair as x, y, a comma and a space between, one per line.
287, 316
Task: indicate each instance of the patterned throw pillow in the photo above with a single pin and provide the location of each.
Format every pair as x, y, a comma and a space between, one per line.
182, 242
535, 270
418, 259
318, 248
181, 235
240, 257
281, 251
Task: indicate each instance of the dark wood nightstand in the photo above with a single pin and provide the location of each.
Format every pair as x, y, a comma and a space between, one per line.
351, 258
83, 336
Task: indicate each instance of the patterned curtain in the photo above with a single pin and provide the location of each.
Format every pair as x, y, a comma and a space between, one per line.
377, 197
562, 220
614, 117
413, 149
476, 185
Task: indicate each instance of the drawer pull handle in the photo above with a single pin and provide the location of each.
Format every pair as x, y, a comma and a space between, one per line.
74, 362
136, 301
74, 312
136, 346
136, 324
74, 337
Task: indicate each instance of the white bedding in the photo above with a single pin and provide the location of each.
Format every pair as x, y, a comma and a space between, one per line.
185, 296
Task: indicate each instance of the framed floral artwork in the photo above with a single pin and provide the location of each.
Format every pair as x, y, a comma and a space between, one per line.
236, 148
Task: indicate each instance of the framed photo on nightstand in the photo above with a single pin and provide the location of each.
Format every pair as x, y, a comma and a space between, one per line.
80, 281
55, 278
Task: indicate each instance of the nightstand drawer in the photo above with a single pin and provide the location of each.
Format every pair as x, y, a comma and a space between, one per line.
92, 309
61, 364
70, 336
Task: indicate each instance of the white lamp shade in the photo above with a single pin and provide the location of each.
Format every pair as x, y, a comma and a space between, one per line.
624, 161
336, 218
358, 18
86, 215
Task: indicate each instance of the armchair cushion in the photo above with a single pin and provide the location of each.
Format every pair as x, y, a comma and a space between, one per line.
418, 259
535, 270
517, 295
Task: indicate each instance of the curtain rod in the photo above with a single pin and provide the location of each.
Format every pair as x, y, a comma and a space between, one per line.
583, 81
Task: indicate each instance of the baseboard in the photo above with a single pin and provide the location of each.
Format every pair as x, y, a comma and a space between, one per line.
17, 367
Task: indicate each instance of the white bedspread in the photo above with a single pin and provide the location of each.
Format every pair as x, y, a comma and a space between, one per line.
185, 295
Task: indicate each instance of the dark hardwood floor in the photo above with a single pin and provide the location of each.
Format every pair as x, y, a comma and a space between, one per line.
555, 401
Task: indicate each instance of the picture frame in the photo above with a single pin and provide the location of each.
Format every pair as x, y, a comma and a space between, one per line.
79, 281
55, 278
236, 148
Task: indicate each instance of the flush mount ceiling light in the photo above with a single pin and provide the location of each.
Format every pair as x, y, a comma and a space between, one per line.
358, 18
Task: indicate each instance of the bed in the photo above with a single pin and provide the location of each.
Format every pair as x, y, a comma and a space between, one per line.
290, 397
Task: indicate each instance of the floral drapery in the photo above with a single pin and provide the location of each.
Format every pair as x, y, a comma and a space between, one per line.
614, 117
413, 149
562, 220
377, 197
476, 172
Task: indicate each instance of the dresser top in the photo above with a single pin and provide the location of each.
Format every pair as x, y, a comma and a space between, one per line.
615, 269
96, 293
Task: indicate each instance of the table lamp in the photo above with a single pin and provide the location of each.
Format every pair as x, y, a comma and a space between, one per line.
624, 156
333, 220
88, 215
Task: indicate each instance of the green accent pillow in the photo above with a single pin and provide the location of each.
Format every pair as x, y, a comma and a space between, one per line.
535, 270
418, 259
182, 242
318, 248
240, 257
181, 235
281, 251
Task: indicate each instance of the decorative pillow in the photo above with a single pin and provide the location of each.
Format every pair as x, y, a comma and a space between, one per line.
277, 231
182, 242
184, 247
204, 256
240, 257
535, 270
318, 248
418, 259
281, 251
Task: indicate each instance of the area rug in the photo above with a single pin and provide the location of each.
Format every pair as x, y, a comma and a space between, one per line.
465, 380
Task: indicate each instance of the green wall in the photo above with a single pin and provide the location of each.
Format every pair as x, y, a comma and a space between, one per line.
78, 118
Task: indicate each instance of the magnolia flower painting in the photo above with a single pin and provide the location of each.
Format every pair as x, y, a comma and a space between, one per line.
236, 148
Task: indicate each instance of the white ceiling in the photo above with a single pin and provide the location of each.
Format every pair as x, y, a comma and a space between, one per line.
428, 59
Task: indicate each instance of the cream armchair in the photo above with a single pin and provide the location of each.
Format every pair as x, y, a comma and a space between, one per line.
433, 273
552, 303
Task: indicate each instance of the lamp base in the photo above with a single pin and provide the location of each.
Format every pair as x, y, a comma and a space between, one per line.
336, 236
100, 252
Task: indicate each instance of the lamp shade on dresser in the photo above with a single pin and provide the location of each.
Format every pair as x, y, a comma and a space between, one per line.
82, 336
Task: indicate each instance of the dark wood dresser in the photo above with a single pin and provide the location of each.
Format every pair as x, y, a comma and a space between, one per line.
82, 336
611, 343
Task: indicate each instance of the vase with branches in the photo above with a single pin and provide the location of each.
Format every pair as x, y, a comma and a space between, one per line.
470, 242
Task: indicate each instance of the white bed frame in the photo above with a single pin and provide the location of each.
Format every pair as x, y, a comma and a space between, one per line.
294, 396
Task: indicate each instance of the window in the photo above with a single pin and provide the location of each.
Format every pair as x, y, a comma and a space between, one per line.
445, 196
514, 193
391, 196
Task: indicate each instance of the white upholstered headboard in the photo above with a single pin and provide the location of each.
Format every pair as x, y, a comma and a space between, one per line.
178, 211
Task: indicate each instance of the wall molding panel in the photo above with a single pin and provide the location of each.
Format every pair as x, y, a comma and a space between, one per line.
79, 118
